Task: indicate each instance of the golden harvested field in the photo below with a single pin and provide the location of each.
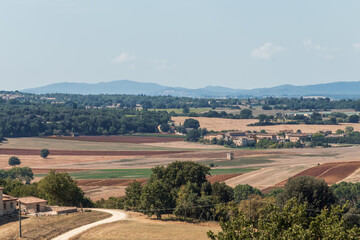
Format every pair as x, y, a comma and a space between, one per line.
142, 227
41, 228
220, 124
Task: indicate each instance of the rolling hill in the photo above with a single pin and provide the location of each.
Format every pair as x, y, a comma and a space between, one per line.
334, 90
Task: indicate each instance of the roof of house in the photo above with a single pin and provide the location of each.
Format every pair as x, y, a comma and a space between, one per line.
299, 135
8, 198
236, 133
30, 200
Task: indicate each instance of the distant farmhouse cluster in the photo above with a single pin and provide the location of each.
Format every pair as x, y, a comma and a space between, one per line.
9, 96
243, 139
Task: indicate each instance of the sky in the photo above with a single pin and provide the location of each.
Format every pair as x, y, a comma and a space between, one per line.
188, 43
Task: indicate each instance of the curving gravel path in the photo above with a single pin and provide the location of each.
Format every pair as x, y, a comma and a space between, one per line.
117, 215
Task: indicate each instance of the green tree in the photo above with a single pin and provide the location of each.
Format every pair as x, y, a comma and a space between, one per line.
25, 190
242, 192
165, 127
22, 173
333, 120
246, 114
62, 190
191, 123
44, 153
221, 193
132, 195
186, 110
315, 192
193, 136
180, 172
353, 118
156, 198
13, 161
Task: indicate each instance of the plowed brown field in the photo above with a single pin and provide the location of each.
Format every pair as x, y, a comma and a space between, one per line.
330, 172
222, 178
120, 139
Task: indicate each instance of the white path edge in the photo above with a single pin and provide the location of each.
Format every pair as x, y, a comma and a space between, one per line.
116, 216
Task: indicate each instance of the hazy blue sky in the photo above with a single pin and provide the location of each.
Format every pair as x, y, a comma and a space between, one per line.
239, 44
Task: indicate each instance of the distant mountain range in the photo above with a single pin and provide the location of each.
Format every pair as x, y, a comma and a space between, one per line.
336, 90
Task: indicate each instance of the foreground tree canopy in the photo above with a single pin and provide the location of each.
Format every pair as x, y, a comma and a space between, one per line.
289, 222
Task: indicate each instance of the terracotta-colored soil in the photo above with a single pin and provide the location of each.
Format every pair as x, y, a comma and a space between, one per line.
221, 178
120, 139
85, 153
330, 172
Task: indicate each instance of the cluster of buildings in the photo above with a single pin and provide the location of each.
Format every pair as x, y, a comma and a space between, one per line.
9, 204
6, 96
29, 205
243, 139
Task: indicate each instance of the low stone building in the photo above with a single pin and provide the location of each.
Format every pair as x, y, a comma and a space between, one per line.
297, 137
265, 136
232, 135
33, 204
218, 136
244, 141
7, 203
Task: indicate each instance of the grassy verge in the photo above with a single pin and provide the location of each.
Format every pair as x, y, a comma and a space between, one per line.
46, 227
137, 173
141, 228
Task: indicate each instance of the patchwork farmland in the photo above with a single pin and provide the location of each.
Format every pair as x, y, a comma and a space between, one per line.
105, 165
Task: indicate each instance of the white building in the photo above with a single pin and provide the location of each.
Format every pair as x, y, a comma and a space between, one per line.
7, 203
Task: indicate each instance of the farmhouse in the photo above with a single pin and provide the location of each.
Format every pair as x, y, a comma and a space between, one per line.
232, 135
296, 137
265, 136
218, 136
7, 203
32, 204
244, 141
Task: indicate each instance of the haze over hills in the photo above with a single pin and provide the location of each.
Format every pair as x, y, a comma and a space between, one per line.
334, 90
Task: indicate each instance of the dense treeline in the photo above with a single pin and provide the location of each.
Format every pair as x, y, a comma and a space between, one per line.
311, 103
169, 102
27, 119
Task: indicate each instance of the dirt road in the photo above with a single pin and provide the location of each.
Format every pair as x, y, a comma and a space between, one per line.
117, 215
